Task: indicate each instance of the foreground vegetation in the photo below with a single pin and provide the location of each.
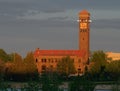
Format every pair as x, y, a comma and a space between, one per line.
17, 69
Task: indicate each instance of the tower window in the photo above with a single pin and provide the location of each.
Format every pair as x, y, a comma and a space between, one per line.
81, 30
79, 60
36, 60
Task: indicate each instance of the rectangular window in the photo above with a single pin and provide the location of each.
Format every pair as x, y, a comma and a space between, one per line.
79, 60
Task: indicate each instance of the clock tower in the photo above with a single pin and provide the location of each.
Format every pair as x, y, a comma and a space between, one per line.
84, 30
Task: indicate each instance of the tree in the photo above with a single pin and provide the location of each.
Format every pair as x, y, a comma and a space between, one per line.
15, 69
17, 64
31, 68
21, 70
4, 56
30, 63
50, 83
99, 59
66, 66
81, 84
1, 70
98, 64
113, 68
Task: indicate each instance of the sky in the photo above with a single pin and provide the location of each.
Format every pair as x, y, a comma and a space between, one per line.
52, 24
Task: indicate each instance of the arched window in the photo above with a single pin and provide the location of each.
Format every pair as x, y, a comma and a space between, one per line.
36, 60
45, 60
43, 68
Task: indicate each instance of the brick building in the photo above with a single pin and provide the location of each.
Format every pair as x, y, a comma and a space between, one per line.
46, 59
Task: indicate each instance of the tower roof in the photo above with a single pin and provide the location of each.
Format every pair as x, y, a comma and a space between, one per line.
84, 13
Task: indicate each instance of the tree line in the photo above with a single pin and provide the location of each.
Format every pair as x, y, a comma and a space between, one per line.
103, 68
15, 68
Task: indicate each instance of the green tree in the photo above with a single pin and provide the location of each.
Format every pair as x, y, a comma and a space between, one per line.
50, 81
4, 56
1, 70
20, 70
113, 68
17, 64
98, 64
31, 68
99, 59
15, 69
81, 84
32, 86
66, 66
30, 63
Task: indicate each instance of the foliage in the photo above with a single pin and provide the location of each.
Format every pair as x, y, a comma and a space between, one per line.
101, 69
4, 56
81, 84
113, 68
50, 81
99, 59
17, 64
3, 86
20, 70
14, 67
115, 87
1, 72
66, 66
32, 86
98, 65
30, 63
1, 66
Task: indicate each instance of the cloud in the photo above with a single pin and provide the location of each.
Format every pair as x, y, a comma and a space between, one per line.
28, 24
106, 24
104, 39
36, 15
35, 9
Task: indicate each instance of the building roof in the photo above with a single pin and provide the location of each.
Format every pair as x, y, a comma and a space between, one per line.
39, 52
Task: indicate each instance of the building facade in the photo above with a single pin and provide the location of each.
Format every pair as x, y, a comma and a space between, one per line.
47, 59
113, 55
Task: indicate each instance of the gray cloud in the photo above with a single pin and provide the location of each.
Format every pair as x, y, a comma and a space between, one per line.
51, 24
20, 6
106, 24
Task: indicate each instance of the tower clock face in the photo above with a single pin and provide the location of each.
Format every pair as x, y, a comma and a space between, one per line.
83, 25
